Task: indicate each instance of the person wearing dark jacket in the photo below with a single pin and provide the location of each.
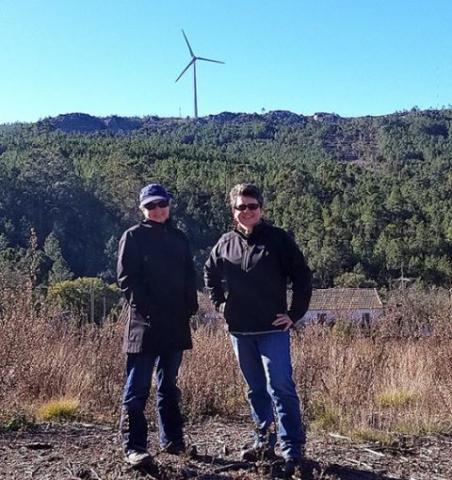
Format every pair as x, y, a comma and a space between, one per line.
246, 276
157, 277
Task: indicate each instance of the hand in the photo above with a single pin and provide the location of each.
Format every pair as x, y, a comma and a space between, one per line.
283, 320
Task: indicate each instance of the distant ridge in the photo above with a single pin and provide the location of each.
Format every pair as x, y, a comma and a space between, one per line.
89, 124
347, 139
85, 123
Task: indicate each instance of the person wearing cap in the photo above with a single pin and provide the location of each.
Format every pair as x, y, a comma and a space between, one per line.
157, 277
255, 261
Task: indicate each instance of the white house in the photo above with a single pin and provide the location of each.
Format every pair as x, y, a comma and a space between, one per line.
358, 304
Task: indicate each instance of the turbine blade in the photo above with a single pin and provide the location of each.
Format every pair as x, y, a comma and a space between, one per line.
188, 44
186, 68
208, 60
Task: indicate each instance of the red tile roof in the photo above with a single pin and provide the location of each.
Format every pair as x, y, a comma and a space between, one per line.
345, 299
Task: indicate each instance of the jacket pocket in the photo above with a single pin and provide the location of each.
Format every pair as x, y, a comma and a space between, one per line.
138, 327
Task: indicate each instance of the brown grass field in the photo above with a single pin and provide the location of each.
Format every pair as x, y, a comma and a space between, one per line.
378, 386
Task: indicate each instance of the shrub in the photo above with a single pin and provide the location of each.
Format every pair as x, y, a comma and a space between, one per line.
16, 422
59, 410
89, 298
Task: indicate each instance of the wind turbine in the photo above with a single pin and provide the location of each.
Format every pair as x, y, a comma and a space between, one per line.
193, 62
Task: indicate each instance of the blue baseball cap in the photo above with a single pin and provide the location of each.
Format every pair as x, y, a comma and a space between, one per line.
151, 193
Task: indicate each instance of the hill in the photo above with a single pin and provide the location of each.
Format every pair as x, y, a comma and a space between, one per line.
367, 198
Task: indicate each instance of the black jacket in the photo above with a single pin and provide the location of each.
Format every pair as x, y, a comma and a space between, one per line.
157, 276
256, 270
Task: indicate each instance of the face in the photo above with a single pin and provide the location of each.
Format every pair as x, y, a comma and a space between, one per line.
247, 219
159, 213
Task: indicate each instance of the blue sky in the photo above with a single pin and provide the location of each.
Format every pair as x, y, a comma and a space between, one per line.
351, 57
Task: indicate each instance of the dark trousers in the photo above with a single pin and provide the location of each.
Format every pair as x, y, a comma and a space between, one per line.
134, 426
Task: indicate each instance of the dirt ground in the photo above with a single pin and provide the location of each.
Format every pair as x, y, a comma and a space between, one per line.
92, 452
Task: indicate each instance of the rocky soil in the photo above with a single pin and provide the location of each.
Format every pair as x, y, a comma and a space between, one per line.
92, 452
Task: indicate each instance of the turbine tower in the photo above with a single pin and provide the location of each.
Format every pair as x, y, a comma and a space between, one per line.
193, 62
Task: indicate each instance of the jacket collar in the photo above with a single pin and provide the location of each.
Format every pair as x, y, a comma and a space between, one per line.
157, 225
256, 230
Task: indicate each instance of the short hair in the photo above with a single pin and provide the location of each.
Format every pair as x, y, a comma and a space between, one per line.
247, 190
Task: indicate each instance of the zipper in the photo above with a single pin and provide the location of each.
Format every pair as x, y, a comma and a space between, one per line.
245, 257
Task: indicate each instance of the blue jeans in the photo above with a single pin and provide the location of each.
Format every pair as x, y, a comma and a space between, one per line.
133, 425
264, 360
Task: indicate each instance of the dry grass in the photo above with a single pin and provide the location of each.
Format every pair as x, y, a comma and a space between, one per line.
374, 436
45, 356
393, 379
395, 376
61, 409
395, 399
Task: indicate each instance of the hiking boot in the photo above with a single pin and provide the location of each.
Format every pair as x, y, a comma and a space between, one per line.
293, 469
138, 459
261, 449
174, 448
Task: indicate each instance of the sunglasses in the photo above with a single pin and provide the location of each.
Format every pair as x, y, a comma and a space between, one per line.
250, 206
159, 204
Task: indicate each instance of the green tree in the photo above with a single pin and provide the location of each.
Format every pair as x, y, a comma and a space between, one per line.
90, 299
59, 270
